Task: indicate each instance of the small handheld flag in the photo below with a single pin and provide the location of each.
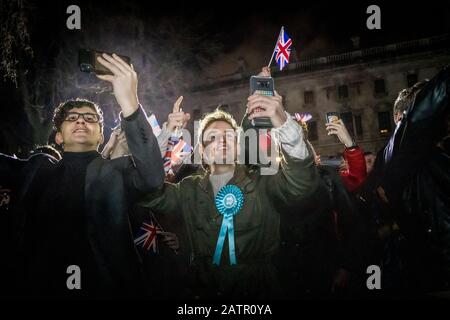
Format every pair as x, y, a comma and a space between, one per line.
147, 236
176, 152
282, 50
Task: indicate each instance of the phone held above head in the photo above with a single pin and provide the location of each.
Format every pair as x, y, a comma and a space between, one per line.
332, 117
87, 61
265, 86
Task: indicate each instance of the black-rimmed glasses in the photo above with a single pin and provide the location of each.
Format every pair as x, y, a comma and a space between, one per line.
88, 117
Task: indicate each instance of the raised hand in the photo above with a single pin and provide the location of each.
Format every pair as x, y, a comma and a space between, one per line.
338, 128
265, 72
124, 81
269, 106
177, 119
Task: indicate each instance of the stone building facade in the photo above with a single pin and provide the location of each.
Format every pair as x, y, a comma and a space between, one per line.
362, 85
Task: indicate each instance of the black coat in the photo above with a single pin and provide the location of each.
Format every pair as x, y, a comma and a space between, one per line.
413, 169
111, 189
321, 240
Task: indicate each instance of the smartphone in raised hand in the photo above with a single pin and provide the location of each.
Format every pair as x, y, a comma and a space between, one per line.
332, 117
264, 86
87, 61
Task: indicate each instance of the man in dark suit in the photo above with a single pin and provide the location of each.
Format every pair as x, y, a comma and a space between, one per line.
71, 229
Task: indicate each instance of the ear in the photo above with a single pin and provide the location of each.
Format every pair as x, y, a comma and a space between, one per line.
58, 138
200, 149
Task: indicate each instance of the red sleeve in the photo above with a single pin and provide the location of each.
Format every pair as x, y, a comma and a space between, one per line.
356, 174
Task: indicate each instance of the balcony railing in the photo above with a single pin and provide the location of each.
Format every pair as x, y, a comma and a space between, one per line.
338, 60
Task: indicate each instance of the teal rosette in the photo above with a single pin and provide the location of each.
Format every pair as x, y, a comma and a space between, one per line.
229, 201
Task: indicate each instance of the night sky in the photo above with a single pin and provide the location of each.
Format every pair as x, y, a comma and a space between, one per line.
236, 22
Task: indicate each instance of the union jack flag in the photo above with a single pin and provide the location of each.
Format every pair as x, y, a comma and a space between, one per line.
173, 156
181, 147
173, 140
147, 236
283, 49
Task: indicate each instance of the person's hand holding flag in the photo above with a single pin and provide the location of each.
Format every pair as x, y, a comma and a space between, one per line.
177, 149
265, 72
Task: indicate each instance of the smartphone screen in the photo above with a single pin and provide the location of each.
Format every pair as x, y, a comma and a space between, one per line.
332, 117
263, 86
87, 61
98, 67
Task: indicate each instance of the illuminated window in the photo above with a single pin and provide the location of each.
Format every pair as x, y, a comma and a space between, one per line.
384, 122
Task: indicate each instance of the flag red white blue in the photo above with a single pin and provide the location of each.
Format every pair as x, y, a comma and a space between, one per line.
176, 151
147, 236
283, 49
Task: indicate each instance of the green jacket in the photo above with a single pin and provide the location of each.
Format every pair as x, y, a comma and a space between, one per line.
257, 234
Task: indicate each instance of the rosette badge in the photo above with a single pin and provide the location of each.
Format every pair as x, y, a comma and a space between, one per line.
229, 202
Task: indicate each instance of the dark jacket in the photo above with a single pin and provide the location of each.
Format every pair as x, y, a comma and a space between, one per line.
414, 173
257, 233
111, 188
321, 240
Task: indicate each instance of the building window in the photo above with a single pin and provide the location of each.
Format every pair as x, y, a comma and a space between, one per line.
309, 97
380, 86
384, 122
347, 118
353, 123
343, 92
411, 79
358, 126
312, 131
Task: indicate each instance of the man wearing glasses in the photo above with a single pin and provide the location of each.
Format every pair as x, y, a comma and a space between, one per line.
73, 235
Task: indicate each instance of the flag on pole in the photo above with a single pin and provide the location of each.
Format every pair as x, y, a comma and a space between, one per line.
283, 49
173, 140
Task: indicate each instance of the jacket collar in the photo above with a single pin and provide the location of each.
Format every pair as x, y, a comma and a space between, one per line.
240, 179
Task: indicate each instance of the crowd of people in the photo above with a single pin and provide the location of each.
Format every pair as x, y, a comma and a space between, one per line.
221, 228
